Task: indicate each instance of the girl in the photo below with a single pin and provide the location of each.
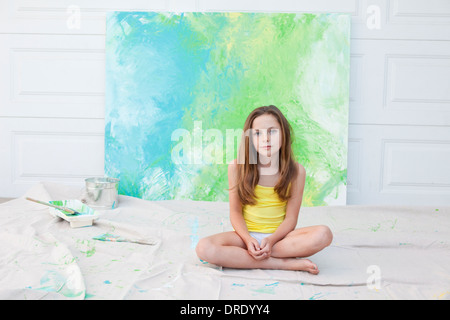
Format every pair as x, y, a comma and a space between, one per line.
265, 194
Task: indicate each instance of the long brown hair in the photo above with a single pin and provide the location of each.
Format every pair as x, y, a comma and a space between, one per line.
247, 173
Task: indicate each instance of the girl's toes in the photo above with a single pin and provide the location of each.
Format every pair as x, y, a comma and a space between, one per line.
312, 267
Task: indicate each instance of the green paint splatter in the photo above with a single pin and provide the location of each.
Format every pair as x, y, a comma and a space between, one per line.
238, 285
320, 295
53, 281
267, 289
393, 224
86, 246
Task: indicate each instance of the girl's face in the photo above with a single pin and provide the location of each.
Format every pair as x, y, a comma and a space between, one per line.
266, 135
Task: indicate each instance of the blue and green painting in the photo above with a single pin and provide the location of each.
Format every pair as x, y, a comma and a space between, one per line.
179, 84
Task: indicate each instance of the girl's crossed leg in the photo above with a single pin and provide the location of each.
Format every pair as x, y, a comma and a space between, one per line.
228, 250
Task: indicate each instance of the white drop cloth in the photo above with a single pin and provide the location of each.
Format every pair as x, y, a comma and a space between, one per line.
42, 257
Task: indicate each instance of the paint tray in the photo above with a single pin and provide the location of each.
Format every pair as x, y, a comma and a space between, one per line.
84, 218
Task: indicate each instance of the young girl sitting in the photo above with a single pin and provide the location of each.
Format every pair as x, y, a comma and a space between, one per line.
265, 194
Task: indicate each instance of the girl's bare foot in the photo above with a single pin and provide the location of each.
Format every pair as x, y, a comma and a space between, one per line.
302, 265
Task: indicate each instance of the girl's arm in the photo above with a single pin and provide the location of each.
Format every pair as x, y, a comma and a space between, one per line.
292, 208
236, 217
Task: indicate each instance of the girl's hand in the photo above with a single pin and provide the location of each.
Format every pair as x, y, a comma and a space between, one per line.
266, 246
254, 249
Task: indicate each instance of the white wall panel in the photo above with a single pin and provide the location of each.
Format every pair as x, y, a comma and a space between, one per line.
400, 82
52, 76
418, 83
415, 165
68, 16
349, 6
403, 19
60, 150
354, 162
399, 165
419, 11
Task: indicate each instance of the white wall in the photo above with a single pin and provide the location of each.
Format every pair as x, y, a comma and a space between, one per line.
52, 92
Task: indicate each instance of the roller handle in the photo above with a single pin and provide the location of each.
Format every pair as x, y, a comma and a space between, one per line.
51, 205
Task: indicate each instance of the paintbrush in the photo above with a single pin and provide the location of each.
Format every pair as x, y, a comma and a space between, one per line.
65, 209
114, 238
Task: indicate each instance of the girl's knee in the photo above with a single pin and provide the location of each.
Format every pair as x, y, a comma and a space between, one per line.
325, 235
205, 249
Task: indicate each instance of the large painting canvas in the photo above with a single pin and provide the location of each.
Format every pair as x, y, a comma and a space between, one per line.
179, 87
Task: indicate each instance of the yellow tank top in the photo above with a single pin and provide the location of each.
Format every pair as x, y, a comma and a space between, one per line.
267, 214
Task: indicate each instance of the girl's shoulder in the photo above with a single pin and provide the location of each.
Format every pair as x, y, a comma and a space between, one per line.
301, 175
301, 169
232, 163
232, 167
